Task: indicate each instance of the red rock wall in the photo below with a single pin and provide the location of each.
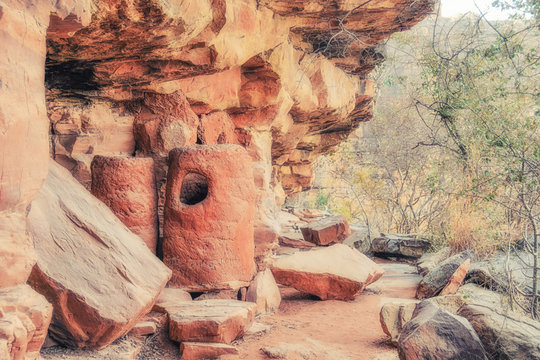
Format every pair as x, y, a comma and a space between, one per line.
286, 73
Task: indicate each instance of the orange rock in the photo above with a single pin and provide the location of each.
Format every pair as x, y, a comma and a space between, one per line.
208, 230
334, 272
24, 319
264, 292
217, 128
169, 297
199, 350
126, 185
100, 277
165, 122
327, 231
456, 279
217, 321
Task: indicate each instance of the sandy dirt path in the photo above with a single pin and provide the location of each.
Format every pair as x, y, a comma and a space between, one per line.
333, 330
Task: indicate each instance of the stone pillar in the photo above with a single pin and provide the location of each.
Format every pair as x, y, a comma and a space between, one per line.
209, 210
126, 185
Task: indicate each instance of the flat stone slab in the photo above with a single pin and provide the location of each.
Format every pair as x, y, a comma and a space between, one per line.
200, 350
214, 321
334, 272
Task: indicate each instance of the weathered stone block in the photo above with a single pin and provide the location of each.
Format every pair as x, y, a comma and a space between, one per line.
209, 209
127, 187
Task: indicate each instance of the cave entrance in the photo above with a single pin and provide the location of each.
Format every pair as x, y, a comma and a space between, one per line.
194, 189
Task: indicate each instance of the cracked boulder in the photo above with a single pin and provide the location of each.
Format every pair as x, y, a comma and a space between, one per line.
100, 277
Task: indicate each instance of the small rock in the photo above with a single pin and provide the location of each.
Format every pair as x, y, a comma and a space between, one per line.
222, 294
327, 231
436, 334
216, 321
456, 279
334, 272
258, 329
264, 292
294, 240
144, 328
437, 279
393, 317
200, 350
408, 246
170, 297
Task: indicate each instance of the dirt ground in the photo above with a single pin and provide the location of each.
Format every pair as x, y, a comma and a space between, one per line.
306, 328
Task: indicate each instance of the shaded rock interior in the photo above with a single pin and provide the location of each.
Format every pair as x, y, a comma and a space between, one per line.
194, 189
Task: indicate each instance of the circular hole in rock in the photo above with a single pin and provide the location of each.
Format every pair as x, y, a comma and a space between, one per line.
194, 189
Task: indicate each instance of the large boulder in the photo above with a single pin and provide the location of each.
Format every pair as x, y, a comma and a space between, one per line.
408, 246
334, 272
438, 278
209, 212
24, 319
506, 336
330, 230
436, 334
495, 271
100, 277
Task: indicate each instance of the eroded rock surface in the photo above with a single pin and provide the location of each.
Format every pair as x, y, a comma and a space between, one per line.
399, 245
24, 319
127, 187
334, 272
100, 277
209, 213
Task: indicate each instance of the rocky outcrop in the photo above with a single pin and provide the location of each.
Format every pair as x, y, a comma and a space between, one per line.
209, 211
334, 272
285, 80
100, 277
434, 333
24, 320
327, 231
